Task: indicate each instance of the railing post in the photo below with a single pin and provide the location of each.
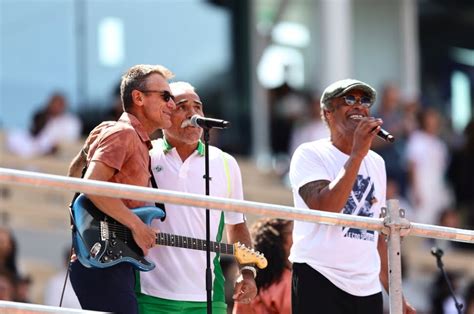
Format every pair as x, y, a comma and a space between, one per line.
397, 223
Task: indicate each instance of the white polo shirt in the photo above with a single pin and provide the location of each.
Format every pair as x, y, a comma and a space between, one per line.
180, 272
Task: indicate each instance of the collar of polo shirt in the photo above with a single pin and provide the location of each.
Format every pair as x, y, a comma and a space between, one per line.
167, 147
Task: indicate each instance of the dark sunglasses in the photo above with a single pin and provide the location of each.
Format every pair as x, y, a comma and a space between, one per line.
165, 95
352, 100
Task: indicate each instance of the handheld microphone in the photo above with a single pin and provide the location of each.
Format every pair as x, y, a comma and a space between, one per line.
386, 136
437, 252
208, 123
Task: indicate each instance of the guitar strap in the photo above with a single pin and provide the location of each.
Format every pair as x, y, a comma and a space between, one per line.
155, 186
76, 195
73, 229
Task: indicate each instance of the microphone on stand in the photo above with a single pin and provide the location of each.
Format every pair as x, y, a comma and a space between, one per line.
208, 123
438, 253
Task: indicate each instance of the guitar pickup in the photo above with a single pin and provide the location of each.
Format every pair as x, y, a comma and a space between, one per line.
104, 231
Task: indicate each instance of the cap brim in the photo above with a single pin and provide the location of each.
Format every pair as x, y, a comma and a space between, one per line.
358, 86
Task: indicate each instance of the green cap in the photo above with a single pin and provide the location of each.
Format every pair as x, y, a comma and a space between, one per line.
341, 87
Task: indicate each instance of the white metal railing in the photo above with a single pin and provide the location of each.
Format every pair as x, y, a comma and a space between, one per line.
8, 307
394, 224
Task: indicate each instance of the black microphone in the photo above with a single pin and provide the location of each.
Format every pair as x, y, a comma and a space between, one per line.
208, 123
437, 252
386, 136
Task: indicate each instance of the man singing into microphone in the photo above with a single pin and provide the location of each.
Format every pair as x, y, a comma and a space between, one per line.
340, 269
178, 283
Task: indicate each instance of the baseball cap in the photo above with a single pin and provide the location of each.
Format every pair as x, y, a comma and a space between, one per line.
341, 87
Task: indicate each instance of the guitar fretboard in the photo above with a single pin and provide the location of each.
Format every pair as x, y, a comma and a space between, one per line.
192, 243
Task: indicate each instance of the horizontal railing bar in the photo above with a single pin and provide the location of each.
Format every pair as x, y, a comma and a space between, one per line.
20, 177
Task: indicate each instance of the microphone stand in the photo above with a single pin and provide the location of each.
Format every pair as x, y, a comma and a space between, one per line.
208, 227
438, 253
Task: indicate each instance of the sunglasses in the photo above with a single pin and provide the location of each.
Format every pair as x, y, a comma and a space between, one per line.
165, 95
352, 100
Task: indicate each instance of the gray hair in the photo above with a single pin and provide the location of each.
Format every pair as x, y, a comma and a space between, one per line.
181, 86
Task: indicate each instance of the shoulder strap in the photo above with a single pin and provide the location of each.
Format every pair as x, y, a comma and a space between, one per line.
155, 186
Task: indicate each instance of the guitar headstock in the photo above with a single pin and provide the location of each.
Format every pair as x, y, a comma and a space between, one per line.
244, 255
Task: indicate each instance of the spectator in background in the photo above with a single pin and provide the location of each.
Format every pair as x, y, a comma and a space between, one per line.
441, 298
393, 192
8, 252
273, 238
51, 126
7, 286
287, 105
410, 108
22, 289
310, 127
427, 158
12, 283
449, 217
8, 267
115, 110
469, 299
55, 284
390, 111
461, 174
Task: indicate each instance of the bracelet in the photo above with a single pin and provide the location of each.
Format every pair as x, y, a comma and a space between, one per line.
251, 268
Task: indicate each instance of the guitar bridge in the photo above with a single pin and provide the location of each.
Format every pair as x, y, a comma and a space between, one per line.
104, 231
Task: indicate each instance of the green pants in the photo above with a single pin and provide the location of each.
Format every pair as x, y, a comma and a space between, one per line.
153, 305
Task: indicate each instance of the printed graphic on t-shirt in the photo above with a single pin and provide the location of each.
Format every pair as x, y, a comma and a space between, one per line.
360, 204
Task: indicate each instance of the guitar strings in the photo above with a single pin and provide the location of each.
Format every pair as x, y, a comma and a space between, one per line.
167, 238
175, 240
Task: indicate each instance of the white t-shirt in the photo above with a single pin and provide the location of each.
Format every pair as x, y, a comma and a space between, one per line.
180, 272
432, 190
346, 256
65, 128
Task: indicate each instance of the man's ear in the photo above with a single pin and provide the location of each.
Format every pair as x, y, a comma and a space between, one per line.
327, 114
137, 97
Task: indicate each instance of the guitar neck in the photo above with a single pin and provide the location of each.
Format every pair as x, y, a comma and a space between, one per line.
167, 239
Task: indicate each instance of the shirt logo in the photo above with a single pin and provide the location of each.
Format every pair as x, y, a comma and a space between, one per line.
158, 168
360, 203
